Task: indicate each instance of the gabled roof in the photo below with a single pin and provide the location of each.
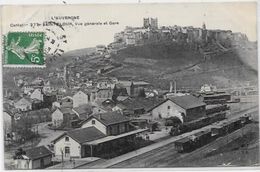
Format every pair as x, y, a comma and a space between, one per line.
109, 118
139, 103
83, 111
86, 91
38, 152
83, 135
187, 101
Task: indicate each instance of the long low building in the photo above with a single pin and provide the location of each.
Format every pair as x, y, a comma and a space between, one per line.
186, 108
100, 135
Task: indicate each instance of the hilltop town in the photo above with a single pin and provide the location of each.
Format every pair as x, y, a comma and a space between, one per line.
93, 108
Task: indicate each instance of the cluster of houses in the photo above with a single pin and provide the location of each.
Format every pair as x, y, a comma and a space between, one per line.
102, 119
106, 115
150, 32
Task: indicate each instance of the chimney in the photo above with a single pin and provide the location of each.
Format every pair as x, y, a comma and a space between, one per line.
175, 89
171, 87
99, 116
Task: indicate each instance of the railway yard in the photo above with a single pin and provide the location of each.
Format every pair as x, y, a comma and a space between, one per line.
204, 153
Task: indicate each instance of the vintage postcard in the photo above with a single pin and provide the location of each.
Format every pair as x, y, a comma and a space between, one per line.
160, 85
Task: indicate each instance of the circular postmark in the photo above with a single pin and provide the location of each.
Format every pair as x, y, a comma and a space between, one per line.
55, 39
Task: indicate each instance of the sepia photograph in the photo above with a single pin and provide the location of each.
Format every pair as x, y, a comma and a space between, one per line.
124, 86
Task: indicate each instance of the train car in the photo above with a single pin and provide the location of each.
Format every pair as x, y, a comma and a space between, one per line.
225, 127
219, 129
217, 117
202, 138
190, 143
235, 124
201, 122
211, 109
215, 98
183, 145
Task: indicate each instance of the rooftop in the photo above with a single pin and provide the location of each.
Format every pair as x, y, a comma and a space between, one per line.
83, 135
110, 118
83, 111
138, 103
38, 152
187, 101
110, 138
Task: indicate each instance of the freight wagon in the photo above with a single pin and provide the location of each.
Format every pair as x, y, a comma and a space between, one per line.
215, 98
210, 109
190, 143
201, 138
199, 123
183, 145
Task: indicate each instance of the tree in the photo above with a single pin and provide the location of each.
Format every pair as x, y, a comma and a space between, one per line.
23, 128
18, 153
173, 121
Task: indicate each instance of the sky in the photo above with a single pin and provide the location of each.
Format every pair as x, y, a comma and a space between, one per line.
235, 16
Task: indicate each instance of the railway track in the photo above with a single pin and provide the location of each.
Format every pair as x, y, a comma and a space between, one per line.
157, 155
163, 156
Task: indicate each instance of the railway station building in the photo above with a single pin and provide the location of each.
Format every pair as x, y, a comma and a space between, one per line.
101, 135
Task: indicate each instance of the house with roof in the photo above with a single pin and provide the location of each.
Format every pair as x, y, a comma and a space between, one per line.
110, 123
135, 106
138, 87
23, 104
53, 84
84, 97
119, 90
127, 85
105, 83
99, 109
134, 88
37, 94
99, 136
71, 144
64, 118
66, 102
34, 158
104, 94
186, 108
83, 111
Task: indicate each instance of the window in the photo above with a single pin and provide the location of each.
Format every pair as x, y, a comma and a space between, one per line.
67, 139
93, 122
169, 107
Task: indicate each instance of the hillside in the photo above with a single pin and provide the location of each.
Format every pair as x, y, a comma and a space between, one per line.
51, 64
160, 63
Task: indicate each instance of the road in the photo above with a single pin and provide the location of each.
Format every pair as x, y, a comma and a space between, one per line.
47, 135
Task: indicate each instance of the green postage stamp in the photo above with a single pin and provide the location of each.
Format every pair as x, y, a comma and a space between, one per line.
24, 49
